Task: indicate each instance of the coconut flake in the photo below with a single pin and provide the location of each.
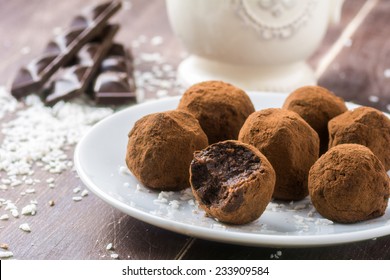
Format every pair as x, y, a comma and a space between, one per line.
25, 227
4, 217
29, 209
6, 254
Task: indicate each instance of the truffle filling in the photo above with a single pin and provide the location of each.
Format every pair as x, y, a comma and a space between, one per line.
219, 169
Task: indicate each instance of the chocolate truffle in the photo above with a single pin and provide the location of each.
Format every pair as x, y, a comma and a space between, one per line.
349, 184
289, 143
365, 126
317, 106
232, 181
220, 108
160, 149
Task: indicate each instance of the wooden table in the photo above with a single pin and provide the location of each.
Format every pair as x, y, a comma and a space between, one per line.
351, 62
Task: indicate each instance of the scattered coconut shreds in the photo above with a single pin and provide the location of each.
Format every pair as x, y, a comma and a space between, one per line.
77, 198
6, 254
109, 246
84, 193
41, 134
25, 227
174, 204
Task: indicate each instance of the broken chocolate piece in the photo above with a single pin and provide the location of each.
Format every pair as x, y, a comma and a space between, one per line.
75, 79
62, 49
115, 84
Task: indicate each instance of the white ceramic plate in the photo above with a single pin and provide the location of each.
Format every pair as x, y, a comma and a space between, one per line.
100, 155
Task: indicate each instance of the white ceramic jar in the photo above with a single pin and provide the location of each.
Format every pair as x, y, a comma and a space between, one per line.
254, 44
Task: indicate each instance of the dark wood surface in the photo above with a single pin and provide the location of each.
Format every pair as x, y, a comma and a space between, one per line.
82, 230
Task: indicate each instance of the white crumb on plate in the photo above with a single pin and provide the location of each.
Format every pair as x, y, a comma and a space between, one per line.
138, 188
186, 194
300, 206
25, 227
123, 170
175, 204
323, 222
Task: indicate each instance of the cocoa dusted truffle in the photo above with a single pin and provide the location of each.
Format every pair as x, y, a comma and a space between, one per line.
289, 143
160, 149
232, 181
365, 126
317, 106
220, 108
349, 184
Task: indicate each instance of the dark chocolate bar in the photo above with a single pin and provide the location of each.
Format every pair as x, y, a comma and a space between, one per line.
62, 49
115, 84
74, 79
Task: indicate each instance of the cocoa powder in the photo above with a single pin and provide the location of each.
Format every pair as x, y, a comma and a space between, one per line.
317, 106
289, 143
365, 126
160, 149
220, 108
349, 184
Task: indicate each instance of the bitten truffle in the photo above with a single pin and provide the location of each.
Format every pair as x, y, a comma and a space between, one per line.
160, 149
349, 184
289, 143
232, 181
220, 108
317, 106
365, 126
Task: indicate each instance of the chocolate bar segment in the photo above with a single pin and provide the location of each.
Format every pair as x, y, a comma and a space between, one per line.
62, 49
74, 79
115, 84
